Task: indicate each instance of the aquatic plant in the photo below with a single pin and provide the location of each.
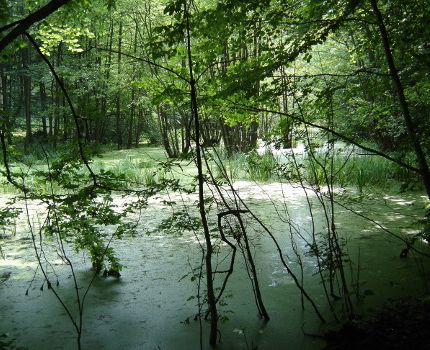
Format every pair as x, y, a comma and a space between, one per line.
260, 167
356, 170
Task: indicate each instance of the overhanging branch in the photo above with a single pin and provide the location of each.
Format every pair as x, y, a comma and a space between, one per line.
22, 25
331, 131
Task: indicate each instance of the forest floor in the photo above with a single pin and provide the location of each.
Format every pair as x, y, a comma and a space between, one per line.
400, 324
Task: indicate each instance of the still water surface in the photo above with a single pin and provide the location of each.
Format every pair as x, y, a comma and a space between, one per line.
152, 305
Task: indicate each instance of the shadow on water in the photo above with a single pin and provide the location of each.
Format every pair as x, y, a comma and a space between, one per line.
152, 305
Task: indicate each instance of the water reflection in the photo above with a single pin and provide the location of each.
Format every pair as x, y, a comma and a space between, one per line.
148, 307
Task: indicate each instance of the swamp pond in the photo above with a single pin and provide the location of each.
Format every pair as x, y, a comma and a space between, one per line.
153, 304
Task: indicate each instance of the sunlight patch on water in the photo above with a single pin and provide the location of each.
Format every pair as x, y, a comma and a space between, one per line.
153, 304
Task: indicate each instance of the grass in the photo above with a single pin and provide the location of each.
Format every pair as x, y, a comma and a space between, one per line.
247, 166
261, 167
142, 166
135, 166
360, 171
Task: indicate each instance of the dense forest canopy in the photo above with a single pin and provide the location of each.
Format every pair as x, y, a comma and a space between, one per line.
124, 66
209, 81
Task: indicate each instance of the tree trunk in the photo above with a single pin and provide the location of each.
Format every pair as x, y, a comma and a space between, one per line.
421, 159
52, 114
58, 102
5, 104
65, 119
163, 122
101, 120
139, 127
118, 97
133, 96
208, 258
230, 138
43, 104
56, 129
26, 82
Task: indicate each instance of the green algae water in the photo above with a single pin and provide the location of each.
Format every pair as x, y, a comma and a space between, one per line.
153, 305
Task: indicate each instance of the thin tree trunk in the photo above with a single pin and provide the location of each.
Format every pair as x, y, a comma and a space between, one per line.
208, 258
4, 94
56, 114
58, 102
65, 118
230, 136
162, 119
139, 127
133, 96
259, 299
100, 123
43, 104
118, 97
52, 114
26, 81
5, 104
421, 159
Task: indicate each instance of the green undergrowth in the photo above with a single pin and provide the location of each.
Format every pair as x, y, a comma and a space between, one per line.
244, 166
359, 171
148, 166
134, 168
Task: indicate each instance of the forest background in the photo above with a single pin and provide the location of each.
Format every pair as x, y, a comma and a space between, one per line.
210, 82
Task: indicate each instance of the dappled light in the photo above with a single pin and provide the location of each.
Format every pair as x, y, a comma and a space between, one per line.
199, 174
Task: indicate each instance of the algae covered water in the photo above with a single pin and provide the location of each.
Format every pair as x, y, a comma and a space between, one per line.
154, 304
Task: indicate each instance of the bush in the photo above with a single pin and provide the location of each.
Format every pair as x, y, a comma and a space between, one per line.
261, 167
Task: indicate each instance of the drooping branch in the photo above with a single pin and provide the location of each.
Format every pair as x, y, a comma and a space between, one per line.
404, 107
336, 75
384, 229
329, 130
312, 38
231, 245
240, 202
72, 108
6, 164
21, 26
